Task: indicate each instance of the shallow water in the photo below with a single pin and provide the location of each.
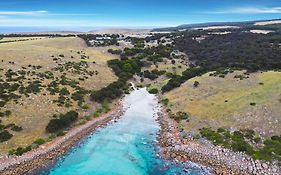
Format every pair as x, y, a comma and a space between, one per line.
127, 147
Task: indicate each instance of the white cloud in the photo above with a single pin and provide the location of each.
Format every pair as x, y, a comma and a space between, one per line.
249, 10
40, 12
43, 13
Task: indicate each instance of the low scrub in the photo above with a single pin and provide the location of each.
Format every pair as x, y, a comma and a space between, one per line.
245, 141
20, 150
39, 141
5, 135
62, 122
153, 91
179, 116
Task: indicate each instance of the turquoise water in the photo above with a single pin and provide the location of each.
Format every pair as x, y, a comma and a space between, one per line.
127, 147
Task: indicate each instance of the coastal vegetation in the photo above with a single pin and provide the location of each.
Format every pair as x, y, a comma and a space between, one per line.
209, 82
241, 104
246, 141
232, 83
5, 135
57, 77
62, 121
124, 69
247, 51
131, 62
205, 60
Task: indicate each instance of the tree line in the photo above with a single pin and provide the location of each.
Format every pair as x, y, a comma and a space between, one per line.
237, 50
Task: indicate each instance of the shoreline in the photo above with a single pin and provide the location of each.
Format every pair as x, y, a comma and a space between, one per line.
48, 153
222, 161
172, 147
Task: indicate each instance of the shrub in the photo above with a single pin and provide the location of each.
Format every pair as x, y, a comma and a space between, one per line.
16, 128
64, 121
242, 141
85, 106
96, 114
105, 106
253, 104
20, 150
88, 118
39, 141
60, 133
64, 91
8, 113
117, 51
196, 84
5, 135
150, 75
153, 91
165, 101
180, 116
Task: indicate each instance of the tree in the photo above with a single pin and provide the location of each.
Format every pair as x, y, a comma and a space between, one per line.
127, 67
64, 121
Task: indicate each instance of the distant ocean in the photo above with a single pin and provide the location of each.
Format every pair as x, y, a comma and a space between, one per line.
7, 30
20, 29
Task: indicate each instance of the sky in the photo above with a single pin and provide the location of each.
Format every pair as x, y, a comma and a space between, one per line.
132, 13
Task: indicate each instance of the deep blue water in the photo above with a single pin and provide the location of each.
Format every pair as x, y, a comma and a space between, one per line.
127, 147
19, 29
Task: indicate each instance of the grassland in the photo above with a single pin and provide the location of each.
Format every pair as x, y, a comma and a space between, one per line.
252, 103
177, 68
33, 112
14, 39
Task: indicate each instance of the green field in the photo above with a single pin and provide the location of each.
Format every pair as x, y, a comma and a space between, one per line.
229, 102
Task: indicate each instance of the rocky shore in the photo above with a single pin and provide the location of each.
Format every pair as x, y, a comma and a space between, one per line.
222, 161
47, 154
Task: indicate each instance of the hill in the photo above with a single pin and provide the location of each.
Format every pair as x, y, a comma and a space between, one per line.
244, 24
123, 31
44, 77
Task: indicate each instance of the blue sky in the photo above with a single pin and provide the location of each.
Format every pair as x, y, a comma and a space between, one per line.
132, 13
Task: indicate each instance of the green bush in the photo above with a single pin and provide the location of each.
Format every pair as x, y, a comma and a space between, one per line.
20, 150
5, 135
253, 104
105, 106
117, 51
153, 91
39, 141
165, 101
243, 141
196, 84
85, 106
64, 121
180, 116
60, 133
8, 113
16, 128
96, 114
